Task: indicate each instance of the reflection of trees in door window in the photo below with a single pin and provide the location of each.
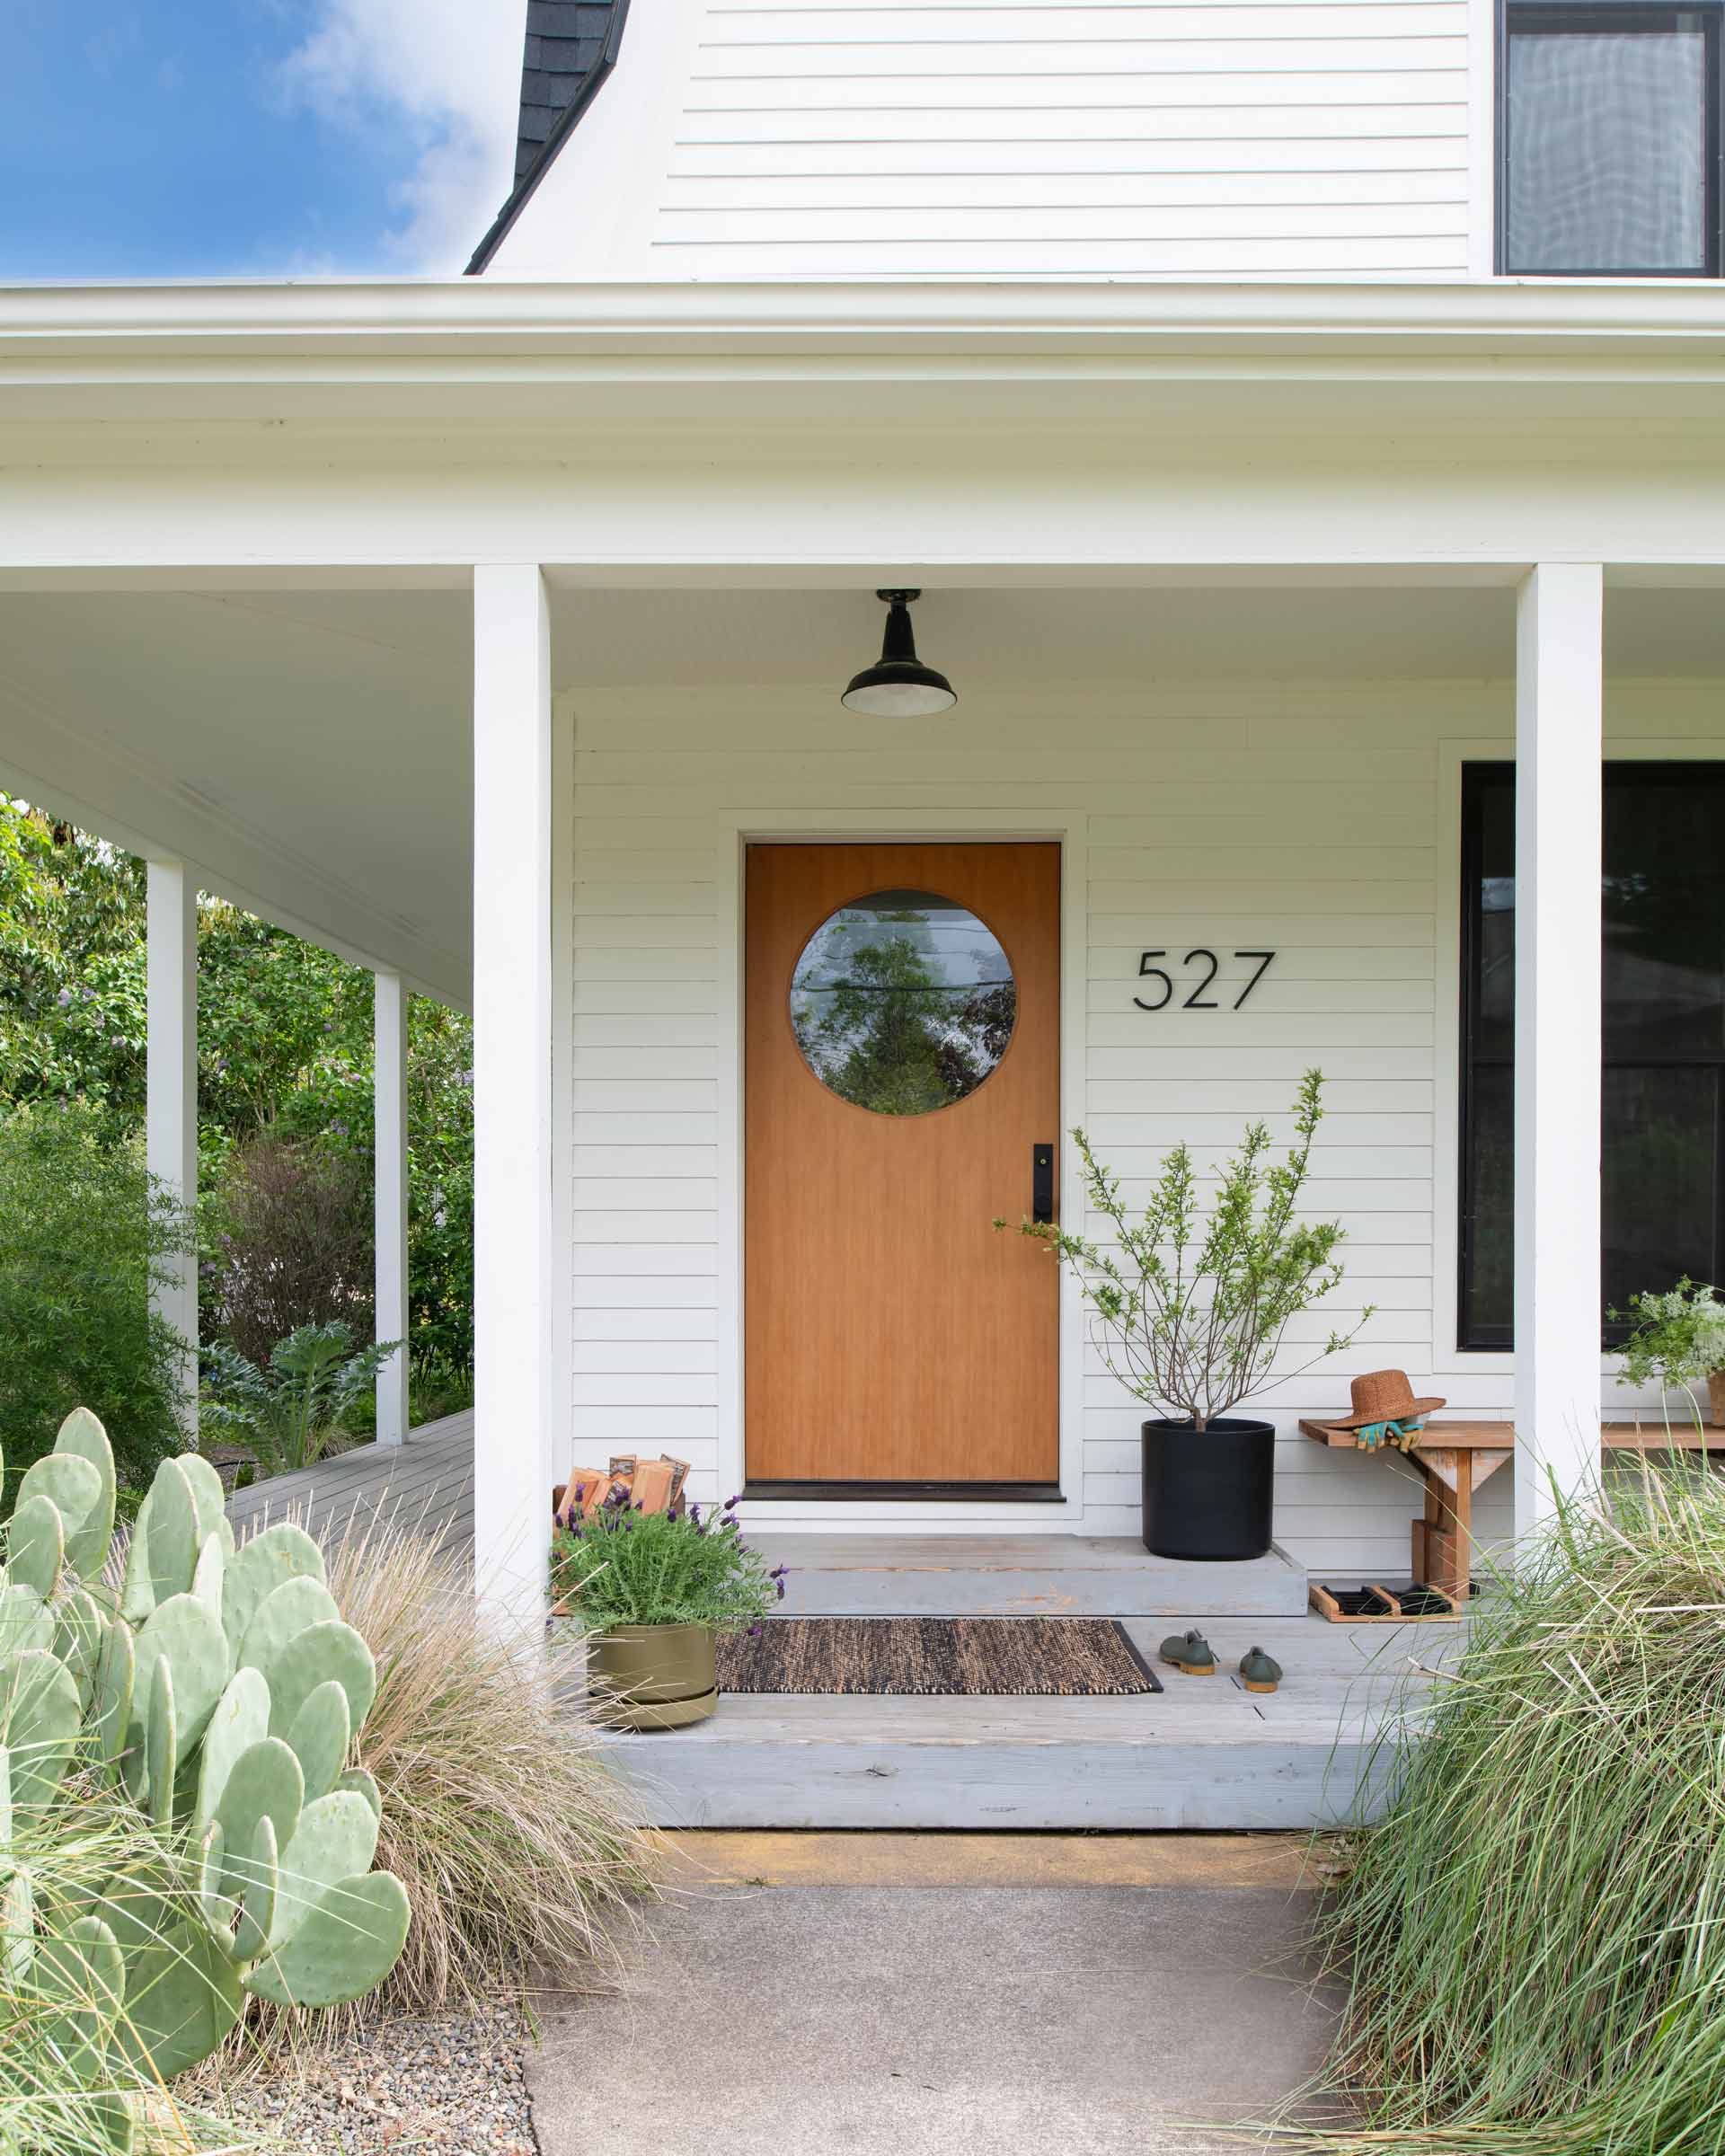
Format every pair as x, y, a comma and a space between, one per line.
902, 1003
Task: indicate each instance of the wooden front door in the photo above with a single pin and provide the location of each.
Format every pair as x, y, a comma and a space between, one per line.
902, 1050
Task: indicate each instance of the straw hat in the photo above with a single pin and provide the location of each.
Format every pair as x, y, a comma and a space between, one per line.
1383, 1396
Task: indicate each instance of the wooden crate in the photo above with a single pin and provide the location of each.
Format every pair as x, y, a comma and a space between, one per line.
1325, 1604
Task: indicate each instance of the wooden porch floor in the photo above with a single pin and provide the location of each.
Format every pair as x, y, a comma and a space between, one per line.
429, 1481
1204, 1753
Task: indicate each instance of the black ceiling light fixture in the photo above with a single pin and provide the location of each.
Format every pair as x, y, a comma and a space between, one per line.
899, 686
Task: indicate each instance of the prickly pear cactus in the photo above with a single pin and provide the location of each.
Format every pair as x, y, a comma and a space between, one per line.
224, 1692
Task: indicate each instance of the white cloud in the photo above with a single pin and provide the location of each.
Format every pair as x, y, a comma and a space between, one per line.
447, 73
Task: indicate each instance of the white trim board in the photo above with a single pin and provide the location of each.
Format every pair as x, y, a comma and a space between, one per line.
738, 829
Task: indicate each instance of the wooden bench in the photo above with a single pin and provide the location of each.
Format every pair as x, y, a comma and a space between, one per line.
1455, 1458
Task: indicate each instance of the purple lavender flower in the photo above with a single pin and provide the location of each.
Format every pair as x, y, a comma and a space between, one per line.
64, 998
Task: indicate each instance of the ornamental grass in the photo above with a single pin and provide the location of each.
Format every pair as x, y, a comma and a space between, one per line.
1535, 1937
520, 1850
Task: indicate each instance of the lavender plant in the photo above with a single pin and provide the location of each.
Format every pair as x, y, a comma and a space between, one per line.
1191, 1312
622, 1566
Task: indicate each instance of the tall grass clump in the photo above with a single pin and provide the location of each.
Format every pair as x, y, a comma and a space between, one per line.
1534, 1936
517, 1846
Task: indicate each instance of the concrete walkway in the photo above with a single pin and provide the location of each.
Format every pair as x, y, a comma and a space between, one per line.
945, 1996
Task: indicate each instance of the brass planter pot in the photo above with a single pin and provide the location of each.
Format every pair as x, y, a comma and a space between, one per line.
652, 1676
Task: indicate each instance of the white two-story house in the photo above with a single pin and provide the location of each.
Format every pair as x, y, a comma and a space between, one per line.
1303, 422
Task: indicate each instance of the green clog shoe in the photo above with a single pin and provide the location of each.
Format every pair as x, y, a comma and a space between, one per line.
1191, 1653
1260, 1671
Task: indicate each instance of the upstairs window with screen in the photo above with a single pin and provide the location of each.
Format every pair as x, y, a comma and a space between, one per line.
1609, 130
1662, 1140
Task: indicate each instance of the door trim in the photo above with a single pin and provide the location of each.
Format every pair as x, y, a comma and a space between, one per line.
737, 830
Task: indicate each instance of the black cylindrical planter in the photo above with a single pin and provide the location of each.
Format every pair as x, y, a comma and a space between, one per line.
1208, 1495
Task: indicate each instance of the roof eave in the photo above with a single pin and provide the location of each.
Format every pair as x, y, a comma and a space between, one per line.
591, 83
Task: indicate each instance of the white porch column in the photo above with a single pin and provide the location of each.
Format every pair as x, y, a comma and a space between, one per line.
1559, 823
389, 1191
512, 1079
170, 1088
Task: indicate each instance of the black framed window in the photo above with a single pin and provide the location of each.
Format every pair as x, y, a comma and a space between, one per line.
1663, 1114
1609, 139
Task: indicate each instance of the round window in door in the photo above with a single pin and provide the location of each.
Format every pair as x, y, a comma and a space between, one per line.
903, 1002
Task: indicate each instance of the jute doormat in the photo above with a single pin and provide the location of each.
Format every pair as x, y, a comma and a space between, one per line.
1069, 1657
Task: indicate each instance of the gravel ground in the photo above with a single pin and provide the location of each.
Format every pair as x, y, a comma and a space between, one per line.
451, 2087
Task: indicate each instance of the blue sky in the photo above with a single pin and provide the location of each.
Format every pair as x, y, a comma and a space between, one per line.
150, 138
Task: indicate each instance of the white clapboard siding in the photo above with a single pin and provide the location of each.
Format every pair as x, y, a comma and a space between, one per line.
1302, 139
1153, 140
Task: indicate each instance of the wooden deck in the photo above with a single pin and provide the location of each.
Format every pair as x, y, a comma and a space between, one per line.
429, 1482
1203, 1753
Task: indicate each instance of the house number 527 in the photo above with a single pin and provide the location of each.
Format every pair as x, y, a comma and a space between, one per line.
1197, 1000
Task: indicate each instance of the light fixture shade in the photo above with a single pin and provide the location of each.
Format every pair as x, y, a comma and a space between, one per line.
899, 686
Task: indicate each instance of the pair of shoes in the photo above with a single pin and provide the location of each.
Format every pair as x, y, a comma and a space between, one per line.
1191, 1653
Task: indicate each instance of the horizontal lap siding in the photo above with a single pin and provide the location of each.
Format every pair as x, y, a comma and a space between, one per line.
1295, 138
1249, 845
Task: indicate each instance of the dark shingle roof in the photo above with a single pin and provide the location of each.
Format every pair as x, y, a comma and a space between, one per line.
571, 47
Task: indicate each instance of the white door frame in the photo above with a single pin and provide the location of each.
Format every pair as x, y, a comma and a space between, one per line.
738, 829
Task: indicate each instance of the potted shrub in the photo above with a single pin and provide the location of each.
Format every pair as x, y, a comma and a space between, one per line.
651, 1589
1191, 1313
1679, 1341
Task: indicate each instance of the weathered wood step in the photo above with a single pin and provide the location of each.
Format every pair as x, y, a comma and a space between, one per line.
1021, 1575
1203, 1753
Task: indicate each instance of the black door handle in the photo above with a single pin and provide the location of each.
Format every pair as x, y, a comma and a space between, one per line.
1042, 1182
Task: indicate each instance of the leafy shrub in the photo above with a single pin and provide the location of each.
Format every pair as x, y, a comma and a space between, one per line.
435, 1387
84, 1236
292, 1244
1191, 1313
515, 1843
1529, 1935
292, 1409
618, 1565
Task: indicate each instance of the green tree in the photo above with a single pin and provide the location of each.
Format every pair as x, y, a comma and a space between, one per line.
83, 1235
284, 1035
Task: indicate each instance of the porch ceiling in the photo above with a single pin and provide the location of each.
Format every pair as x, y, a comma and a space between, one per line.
308, 751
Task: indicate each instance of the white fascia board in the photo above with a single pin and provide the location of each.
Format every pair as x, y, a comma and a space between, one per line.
85, 336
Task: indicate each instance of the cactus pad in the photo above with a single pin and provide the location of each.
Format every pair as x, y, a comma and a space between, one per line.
345, 1947
265, 1783
25, 1619
187, 1633
276, 1623
74, 1487
173, 1536
39, 1720
241, 1719
319, 1736
331, 1651
335, 1840
80, 1436
36, 1546
268, 1562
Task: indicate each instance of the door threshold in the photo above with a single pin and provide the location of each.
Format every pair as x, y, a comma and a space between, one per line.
933, 1493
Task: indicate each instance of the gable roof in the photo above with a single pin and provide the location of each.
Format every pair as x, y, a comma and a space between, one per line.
571, 47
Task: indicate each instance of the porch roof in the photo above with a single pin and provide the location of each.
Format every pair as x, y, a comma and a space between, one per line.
242, 519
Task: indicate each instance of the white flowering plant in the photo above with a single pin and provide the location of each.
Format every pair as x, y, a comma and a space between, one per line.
1678, 1339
